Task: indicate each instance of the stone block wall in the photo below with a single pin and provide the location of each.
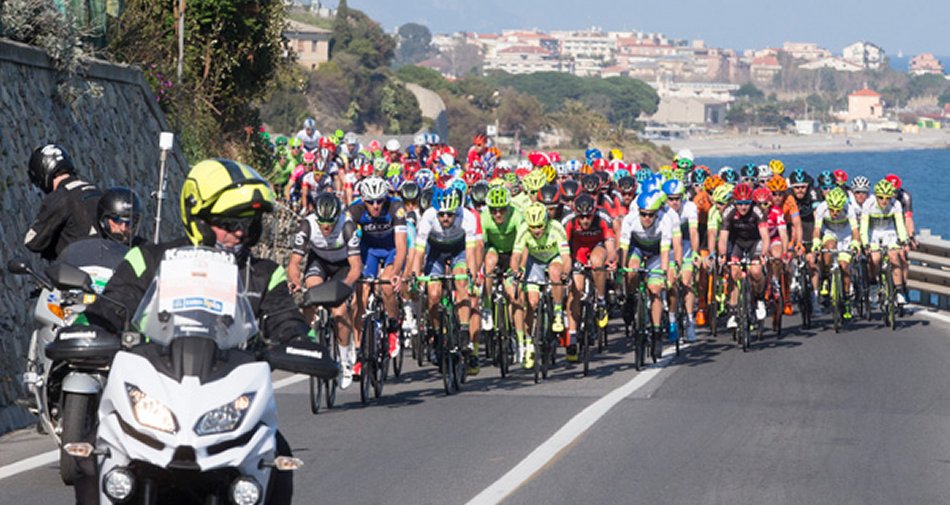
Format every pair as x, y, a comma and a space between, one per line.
113, 140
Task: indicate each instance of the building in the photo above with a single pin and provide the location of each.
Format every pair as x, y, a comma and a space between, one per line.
524, 60
864, 105
865, 54
723, 92
311, 44
925, 63
837, 64
591, 44
764, 68
690, 111
808, 51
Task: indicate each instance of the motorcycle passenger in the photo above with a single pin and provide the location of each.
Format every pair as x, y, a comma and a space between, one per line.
68, 210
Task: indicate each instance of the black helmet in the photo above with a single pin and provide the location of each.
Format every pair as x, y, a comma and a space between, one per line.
46, 163
409, 191
479, 192
627, 184
548, 194
584, 204
569, 189
590, 183
327, 207
121, 205
425, 199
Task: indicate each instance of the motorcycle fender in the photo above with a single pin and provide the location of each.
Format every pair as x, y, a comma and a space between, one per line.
77, 382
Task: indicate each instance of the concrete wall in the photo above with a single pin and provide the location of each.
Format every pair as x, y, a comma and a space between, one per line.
113, 140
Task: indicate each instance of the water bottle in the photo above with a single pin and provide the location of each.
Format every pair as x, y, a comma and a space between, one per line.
674, 331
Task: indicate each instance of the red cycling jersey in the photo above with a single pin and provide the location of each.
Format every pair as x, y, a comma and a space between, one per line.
582, 242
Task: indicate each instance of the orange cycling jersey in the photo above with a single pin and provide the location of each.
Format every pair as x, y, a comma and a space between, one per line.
790, 208
703, 203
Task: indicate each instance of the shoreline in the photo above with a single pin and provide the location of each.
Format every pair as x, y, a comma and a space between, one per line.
777, 145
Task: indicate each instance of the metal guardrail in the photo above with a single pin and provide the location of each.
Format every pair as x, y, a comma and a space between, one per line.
929, 276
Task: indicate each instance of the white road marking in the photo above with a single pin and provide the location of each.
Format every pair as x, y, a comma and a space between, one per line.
51, 456
580, 423
933, 315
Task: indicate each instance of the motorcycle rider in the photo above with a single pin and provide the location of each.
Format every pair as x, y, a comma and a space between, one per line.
222, 206
68, 210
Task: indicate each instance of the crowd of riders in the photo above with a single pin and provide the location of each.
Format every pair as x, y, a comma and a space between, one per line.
400, 213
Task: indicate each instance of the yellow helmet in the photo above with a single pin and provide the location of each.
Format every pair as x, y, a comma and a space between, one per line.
534, 180
616, 154
536, 215
220, 188
550, 173
777, 167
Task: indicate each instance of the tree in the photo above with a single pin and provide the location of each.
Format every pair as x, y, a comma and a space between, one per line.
749, 91
520, 114
414, 44
944, 98
425, 77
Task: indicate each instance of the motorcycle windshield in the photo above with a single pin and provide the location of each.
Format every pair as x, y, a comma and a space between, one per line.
197, 293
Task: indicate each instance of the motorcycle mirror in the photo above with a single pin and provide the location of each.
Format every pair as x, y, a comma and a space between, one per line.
329, 294
18, 267
303, 356
66, 276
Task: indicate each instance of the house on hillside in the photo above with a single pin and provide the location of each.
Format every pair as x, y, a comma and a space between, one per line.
310, 43
837, 64
925, 63
690, 111
863, 53
864, 105
764, 68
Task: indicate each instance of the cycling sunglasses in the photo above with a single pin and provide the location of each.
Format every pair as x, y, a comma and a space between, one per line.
233, 224
121, 220
743, 202
378, 201
648, 214
446, 214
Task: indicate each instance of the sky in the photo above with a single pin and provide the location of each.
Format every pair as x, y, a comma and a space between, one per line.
912, 26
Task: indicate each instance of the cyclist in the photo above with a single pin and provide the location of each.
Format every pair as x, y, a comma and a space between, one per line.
309, 136
500, 222
836, 229
594, 244
771, 206
327, 238
744, 231
550, 196
688, 218
410, 193
68, 211
646, 239
807, 199
448, 235
541, 252
882, 223
903, 196
382, 222
860, 189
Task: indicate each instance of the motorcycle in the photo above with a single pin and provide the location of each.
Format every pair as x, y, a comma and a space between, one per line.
188, 413
65, 393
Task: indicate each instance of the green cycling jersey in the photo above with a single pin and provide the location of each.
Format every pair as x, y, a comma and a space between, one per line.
501, 238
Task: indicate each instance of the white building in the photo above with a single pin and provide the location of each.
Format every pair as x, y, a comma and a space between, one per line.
806, 51
524, 60
838, 64
590, 44
865, 54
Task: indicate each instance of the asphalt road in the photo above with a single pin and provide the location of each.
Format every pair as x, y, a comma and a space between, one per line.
860, 417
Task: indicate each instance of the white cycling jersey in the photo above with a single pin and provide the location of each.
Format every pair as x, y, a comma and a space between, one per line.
659, 236
840, 227
310, 142
463, 232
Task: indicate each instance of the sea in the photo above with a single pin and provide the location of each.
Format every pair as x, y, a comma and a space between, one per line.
925, 173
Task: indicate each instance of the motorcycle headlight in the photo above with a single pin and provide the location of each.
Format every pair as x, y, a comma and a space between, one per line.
150, 412
225, 418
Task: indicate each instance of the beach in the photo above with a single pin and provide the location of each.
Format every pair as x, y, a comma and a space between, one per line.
732, 145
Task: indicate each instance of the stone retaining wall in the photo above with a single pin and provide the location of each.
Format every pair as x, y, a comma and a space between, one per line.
113, 140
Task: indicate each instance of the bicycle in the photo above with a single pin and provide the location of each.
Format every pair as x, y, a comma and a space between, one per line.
745, 314
836, 289
715, 295
588, 330
500, 340
776, 292
325, 297
374, 345
543, 337
642, 321
451, 362
888, 295
861, 282
803, 279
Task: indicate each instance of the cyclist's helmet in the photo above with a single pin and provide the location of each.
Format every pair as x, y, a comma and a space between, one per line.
569, 190
327, 207
573, 167
479, 192
534, 180
674, 188
643, 174
46, 163
651, 201
498, 196
584, 205
550, 173
748, 171
798, 176
309, 123
762, 195
826, 180
222, 191
409, 191
777, 167
722, 194
884, 188
590, 183
119, 204
684, 164
712, 182
729, 175
836, 199
698, 176
536, 215
426, 197
549, 194
861, 184
374, 188
742, 192
447, 200
895, 180
841, 177
765, 173
777, 184
627, 185
424, 178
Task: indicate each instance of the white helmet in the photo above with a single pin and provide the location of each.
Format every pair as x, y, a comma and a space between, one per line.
573, 167
447, 160
684, 154
374, 188
503, 164
392, 145
349, 138
420, 139
310, 124
765, 173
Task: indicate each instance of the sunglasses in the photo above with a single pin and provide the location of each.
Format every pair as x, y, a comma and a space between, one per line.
446, 214
743, 202
498, 210
674, 198
233, 224
121, 220
378, 201
648, 214
536, 228
325, 223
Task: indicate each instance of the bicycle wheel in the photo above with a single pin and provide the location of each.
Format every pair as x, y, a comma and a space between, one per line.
366, 358
890, 297
777, 297
548, 338
443, 348
804, 301
641, 330
331, 385
316, 394
837, 316
744, 334
502, 338
712, 306
397, 362
539, 343
381, 358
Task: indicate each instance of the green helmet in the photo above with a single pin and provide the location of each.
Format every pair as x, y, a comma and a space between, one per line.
281, 141
295, 142
394, 169
836, 199
884, 188
534, 180
723, 194
536, 215
498, 196
449, 200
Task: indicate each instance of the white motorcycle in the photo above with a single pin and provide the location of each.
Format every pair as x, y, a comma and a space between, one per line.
65, 377
188, 413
